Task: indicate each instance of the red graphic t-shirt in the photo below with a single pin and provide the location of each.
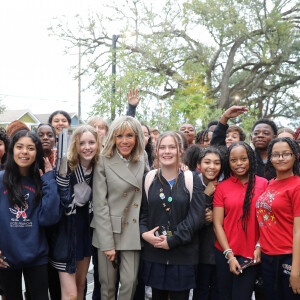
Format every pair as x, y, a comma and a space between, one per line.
275, 212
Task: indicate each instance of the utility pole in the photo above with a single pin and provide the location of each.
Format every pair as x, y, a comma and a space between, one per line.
114, 65
79, 84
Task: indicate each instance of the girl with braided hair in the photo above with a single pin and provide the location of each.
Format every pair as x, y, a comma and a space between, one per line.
235, 223
278, 214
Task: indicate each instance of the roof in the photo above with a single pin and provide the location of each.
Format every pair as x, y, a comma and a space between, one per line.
45, 117
9, 116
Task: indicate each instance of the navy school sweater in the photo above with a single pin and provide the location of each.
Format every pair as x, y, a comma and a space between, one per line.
23, 237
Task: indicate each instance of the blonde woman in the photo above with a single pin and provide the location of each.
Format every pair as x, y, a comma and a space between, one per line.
117, 195
71, 245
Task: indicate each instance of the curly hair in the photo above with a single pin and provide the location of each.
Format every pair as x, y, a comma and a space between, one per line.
73, 155
252, 179
268, 122
202, 136
241, 132
192, 156
12, 178
295, 149
5, 139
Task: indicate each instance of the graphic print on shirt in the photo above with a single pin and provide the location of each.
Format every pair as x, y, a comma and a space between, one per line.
21, 219
264, 209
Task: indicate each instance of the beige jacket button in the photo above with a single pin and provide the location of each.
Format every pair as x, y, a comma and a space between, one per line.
134, 220
137, 190
135, 205
126, 209
125, 195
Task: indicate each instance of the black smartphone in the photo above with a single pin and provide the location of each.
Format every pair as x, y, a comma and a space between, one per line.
245, 262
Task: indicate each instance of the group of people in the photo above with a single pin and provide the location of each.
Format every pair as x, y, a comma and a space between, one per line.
174, 211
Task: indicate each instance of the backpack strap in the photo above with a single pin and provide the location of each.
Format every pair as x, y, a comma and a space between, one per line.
148, 180
189, 182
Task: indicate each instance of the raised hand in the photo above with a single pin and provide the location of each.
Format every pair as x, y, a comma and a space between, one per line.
133, 98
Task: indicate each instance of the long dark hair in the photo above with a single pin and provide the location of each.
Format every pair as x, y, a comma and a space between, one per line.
12, 177
213, 150
251, 183
293, 145
149, 147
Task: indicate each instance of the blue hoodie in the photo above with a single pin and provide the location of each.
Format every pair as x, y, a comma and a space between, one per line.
23, 235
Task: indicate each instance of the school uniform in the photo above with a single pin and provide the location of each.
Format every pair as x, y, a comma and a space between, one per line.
230, 195
275, 210
174, 269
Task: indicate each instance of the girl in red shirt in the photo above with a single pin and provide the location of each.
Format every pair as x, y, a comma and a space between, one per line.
278, 214
235, 223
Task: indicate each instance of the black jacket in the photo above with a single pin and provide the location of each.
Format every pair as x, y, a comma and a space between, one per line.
186, 218
261, 166
207, 237
218, 138
219, 135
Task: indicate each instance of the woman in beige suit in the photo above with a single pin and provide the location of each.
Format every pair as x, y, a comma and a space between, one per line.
117, 194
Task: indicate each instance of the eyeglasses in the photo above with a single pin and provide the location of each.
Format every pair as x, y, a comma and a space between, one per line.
286, 155
127, 137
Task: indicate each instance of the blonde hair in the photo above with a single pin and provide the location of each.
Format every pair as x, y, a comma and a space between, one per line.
73, 155
93, 120
119, 126
178, 145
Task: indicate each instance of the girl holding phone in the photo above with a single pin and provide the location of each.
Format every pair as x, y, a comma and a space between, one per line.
71, 241
235, 222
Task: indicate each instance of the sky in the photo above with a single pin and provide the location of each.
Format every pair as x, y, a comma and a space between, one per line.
34, 72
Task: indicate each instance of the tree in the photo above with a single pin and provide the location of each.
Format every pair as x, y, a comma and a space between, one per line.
248, 48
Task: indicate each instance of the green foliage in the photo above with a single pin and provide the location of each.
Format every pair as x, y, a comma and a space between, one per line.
187, 57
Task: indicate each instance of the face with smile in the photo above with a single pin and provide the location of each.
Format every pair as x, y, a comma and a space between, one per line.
47, 137
125, 142
210, 167
87, 148
167, 152
189, 132
232, 137
282, 158
24, 154
239, 163
261, 136
59, 122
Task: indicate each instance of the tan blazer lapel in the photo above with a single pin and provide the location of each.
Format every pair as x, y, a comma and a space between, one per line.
122, 171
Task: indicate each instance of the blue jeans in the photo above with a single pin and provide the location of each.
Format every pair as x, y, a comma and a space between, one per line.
231, 286
276, 271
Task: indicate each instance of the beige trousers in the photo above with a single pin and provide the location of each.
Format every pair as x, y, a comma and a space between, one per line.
129, 266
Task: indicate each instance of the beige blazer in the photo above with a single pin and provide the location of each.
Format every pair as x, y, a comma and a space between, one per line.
117, 195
